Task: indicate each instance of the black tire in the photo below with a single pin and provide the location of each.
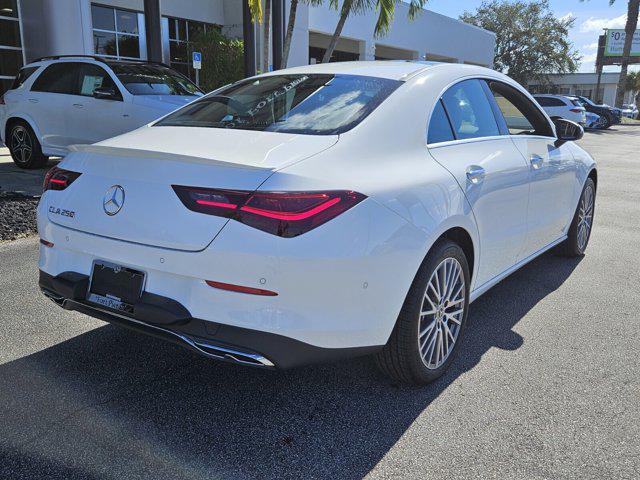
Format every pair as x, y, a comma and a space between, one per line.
24, 146
577, 241
606, 121
401, 358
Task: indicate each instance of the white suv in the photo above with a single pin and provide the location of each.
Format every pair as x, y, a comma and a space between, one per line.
563, 107
61, 101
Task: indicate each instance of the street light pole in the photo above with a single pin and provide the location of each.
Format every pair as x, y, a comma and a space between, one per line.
249, 39
152, 24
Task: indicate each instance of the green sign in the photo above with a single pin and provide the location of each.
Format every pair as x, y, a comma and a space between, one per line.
615, 43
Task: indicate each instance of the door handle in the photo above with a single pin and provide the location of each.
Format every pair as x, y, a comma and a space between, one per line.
536, 161
475, 174
78, 105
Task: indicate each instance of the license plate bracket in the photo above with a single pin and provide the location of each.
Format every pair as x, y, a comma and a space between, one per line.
114, 286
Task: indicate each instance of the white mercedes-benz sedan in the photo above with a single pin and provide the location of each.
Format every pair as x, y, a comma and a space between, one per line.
318, 212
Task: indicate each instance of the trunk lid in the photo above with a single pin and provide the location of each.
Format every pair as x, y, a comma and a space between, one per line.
146, 162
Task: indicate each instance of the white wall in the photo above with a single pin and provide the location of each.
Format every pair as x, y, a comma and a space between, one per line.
429, 34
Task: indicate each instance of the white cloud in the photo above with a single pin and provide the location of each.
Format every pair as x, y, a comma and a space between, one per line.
589, 58
590, 46
594, 24
568, 16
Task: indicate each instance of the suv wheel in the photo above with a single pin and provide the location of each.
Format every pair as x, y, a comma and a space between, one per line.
606, 121
24, 147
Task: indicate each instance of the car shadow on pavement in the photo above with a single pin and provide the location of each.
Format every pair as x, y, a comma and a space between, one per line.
113, 403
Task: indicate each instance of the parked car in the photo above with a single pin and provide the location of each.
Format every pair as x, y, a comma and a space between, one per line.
319, 212
594, 121
564, 107
608, 115
60, 101
630, 110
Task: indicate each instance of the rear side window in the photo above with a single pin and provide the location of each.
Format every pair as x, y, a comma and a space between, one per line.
520, 114
93, 77
23, 76
439, 126
550, 102
58, 78
469, 111
311, 104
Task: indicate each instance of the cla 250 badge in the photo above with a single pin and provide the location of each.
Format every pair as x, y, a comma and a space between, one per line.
62, 212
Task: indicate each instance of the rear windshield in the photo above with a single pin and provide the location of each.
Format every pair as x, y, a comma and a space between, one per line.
313, 104
153, 80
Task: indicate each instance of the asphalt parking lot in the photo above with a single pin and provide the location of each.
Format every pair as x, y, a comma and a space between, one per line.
547, 385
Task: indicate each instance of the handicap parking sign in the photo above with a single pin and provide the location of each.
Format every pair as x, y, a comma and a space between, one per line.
197, 60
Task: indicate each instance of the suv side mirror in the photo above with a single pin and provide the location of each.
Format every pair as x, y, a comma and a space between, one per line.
566, 130
105, 93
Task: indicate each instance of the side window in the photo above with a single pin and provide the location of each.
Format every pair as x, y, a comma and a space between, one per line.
92, 77
439, 126
545, 101
520, 114
58, 78
23, 76
469, 110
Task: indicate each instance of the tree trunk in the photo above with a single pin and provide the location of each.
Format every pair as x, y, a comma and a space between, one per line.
344, 14
629, 30
287, 39
266, 37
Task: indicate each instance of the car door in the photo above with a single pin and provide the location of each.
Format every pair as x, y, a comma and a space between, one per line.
50, 104
488, 168
553, 171
100, 118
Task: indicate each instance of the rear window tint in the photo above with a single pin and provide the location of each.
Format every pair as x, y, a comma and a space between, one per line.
312, 104
23, 76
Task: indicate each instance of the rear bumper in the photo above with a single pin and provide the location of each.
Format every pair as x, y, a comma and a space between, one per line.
164, 318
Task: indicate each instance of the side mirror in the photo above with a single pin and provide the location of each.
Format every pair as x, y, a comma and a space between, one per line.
566, 130
105, 93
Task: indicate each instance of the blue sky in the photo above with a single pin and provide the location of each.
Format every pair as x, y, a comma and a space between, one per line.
591, 17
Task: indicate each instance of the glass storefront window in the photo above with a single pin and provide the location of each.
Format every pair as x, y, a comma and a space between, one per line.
9, 8
9, 33
115, 32
182, 33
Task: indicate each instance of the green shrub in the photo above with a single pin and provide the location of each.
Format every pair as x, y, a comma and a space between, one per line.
222, 59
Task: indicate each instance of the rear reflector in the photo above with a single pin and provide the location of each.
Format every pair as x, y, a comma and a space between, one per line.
59, 179
45, 243
240, 289
285, 214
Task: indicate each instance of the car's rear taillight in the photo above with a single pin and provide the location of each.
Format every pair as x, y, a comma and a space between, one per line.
286, 214
577, 110
59, 179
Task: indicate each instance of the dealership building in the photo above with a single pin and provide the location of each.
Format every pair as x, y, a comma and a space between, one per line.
585, 84
31, 29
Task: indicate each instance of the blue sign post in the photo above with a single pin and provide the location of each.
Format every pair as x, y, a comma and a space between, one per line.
197, 65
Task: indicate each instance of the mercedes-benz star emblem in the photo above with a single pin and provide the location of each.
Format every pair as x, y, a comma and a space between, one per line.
113, 200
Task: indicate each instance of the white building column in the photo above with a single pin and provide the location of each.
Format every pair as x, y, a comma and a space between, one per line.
367, 49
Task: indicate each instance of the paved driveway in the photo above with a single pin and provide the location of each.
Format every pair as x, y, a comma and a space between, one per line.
547, 386
14, 179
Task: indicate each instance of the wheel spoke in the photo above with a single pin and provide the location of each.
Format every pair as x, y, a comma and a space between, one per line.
441, 313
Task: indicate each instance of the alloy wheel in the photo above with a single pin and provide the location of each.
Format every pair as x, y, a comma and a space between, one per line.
585, 217
441, 313
21, 144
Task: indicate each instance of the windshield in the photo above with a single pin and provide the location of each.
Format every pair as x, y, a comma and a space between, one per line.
153, 80
314, 104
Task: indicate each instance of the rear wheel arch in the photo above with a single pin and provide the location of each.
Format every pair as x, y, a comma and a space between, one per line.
463, 239
593, 175
13, 120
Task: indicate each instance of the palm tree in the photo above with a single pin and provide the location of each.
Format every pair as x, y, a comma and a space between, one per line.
265, 35
629, 29
255, 6
293, 9
386, 9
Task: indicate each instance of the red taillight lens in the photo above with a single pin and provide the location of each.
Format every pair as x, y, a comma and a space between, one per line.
59, 179
286, 214
576, 110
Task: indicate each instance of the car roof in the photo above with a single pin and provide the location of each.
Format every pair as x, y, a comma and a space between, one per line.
390, 69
